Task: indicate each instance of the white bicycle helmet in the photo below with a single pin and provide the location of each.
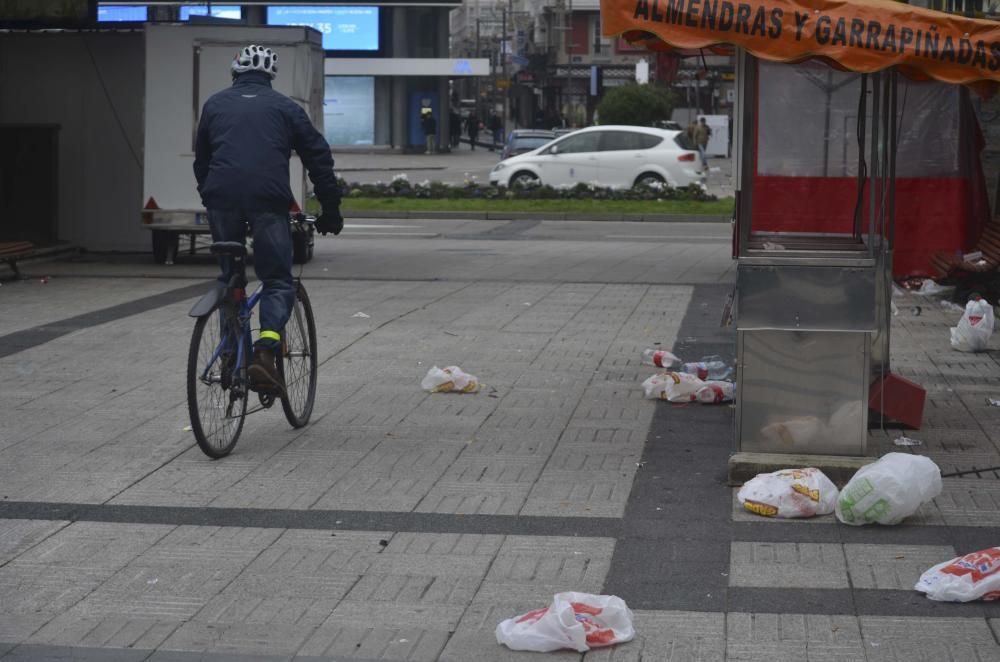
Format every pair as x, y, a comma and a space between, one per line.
256, 58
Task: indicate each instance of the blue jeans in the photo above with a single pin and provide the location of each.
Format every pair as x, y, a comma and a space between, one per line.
272, 261
704, 159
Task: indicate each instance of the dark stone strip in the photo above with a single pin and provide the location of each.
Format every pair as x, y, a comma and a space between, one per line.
861, 602
965, 539
345, 520
18, 341
771, 531
673, 551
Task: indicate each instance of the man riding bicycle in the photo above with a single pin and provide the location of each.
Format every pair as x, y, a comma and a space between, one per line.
245, 137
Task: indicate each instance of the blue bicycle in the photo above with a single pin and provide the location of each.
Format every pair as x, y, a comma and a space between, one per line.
218, 388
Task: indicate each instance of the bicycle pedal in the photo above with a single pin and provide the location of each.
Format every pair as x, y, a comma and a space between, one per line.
266, 399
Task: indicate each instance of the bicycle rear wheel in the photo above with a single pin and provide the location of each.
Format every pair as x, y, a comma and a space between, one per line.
299, 363
217, 403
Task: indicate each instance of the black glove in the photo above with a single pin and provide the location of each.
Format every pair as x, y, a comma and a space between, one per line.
330, 221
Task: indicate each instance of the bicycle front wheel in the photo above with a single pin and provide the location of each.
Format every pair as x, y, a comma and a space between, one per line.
299, 363
217, 394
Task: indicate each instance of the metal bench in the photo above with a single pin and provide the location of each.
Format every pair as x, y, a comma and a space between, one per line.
12, 251
981, 274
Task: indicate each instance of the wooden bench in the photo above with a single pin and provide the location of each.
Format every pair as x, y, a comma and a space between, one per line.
981, 274
12, 251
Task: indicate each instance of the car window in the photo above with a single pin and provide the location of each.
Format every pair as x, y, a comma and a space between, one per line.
612, 141
684, 141
530, 142
648, 140
580, 142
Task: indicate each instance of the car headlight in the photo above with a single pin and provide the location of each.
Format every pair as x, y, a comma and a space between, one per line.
498, 167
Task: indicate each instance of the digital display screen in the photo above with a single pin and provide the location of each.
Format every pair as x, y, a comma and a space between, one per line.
122, 13
344, 28
218, 11
349, 110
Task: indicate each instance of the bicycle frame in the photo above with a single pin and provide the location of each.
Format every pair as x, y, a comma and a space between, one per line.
235, 293
242, 318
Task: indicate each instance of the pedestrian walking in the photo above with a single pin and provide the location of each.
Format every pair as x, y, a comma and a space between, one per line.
702, 133
472, 128
429, 125
496, 126
455, 128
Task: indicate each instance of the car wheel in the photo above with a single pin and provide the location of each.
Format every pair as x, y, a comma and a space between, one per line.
649, 179
523, 179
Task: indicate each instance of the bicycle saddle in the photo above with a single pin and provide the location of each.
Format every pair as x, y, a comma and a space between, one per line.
233, 248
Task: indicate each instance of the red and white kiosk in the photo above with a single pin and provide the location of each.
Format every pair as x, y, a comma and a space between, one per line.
854, 158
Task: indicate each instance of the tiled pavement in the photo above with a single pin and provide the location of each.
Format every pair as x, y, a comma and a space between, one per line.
405, 526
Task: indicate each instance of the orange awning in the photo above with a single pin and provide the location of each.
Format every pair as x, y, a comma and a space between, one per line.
857, 35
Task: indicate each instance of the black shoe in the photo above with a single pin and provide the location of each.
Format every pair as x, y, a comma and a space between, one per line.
263, 373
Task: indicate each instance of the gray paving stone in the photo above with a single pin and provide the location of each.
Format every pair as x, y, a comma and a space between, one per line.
415, 589
109, 632
897, 639
249, 604
189, 481
541, 564
892, 566
366, 491
17, 626
47, 653
970, 502
90, 546
400, 641
239, 638
231, 547
793, 637
49, 590
611, 435
19, 535
670, 636
572, 457
482, 498
444, 544
319, 553
475, 636
564, 495
430, 564
787, 565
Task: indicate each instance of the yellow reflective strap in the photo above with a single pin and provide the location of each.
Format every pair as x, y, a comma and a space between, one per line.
270, 335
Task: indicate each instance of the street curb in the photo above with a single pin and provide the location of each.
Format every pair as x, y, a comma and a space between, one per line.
536, 216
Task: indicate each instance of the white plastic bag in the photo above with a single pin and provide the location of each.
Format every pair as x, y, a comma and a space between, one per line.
789, 493
975, 576
450, 379
889, 490
580, 621
673, 386
929, 288
715, 392
975, 328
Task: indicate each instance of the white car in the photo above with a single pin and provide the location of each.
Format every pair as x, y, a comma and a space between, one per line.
612, 156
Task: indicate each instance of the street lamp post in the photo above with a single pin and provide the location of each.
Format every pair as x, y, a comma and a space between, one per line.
476, 109
503, 63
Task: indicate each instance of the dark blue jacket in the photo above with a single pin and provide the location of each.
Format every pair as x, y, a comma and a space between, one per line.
245, 138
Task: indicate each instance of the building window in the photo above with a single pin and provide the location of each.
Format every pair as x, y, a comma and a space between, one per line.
597, 34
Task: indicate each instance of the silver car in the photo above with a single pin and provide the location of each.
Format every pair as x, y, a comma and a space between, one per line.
612, 156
